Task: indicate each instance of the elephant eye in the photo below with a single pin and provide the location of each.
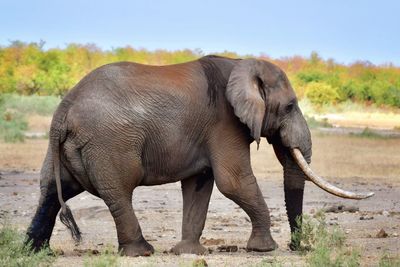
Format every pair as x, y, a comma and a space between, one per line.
289, 107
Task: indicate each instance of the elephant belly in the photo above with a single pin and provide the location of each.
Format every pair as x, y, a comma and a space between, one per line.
173, 167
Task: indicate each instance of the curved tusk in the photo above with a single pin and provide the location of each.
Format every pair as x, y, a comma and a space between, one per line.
298, 157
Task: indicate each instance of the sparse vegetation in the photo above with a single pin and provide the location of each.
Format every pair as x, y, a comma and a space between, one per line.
314, 123
14, 109
13, 252
368, 133
267, 262
106, 258
12, 123
388, 261
324, 246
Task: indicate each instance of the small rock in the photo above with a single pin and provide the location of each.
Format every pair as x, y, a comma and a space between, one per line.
385, 213
59, 251
347, 231
15, 194
395, 234
199, 263
229, 248
277, 230
341, 208
86, 251
365, 218
381, 234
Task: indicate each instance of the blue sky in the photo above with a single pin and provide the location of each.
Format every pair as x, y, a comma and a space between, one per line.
344, 30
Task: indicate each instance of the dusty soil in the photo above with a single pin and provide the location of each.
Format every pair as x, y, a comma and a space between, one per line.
359, 164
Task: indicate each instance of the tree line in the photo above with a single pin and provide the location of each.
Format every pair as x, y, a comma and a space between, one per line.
29, 69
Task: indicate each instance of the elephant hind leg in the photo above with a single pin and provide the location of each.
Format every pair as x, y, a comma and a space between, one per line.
115, 183
196, 192
41, 227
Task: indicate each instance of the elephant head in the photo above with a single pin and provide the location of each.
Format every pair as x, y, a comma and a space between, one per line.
263, 99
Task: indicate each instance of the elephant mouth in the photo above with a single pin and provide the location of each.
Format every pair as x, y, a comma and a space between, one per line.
323, 184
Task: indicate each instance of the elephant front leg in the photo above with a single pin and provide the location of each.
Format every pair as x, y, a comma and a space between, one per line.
196, 193
236, 181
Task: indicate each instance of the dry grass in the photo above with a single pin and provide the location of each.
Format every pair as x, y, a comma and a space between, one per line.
378, 120
27, 156
38, 123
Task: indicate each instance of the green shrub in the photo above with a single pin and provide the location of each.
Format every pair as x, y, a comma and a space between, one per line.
320, 93
310, 76
13, 252
323, 246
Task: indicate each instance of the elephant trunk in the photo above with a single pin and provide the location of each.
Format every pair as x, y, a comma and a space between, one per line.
294, 181
294, 191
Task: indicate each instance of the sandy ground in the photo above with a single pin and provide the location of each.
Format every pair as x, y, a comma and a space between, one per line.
359, 164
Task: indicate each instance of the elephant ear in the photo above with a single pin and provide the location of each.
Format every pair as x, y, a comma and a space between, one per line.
243, 93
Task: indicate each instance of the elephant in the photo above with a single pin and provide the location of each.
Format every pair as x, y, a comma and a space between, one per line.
127, 124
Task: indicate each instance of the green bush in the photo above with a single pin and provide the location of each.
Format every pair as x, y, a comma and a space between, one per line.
310, 76
323, 246
320, 93
13, 252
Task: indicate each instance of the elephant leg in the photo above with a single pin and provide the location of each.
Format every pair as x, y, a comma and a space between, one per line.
115, 183
41, 227
196, 192
235, 179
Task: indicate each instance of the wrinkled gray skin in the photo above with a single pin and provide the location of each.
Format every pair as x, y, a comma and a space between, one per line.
125, 125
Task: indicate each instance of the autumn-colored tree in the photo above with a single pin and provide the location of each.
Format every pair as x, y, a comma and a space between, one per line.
27, 68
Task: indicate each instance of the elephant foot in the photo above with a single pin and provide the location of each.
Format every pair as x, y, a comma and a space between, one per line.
261, 243
189, 247
35, 244
135, 249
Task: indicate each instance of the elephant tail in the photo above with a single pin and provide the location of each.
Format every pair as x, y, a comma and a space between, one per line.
57, 136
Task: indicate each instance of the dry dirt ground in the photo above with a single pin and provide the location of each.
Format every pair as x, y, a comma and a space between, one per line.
359, 164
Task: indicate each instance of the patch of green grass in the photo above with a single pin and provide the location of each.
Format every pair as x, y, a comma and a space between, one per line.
388, 261
13, 252
106, 258
324, 246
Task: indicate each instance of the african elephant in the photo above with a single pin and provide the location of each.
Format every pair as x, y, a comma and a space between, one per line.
125, 125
